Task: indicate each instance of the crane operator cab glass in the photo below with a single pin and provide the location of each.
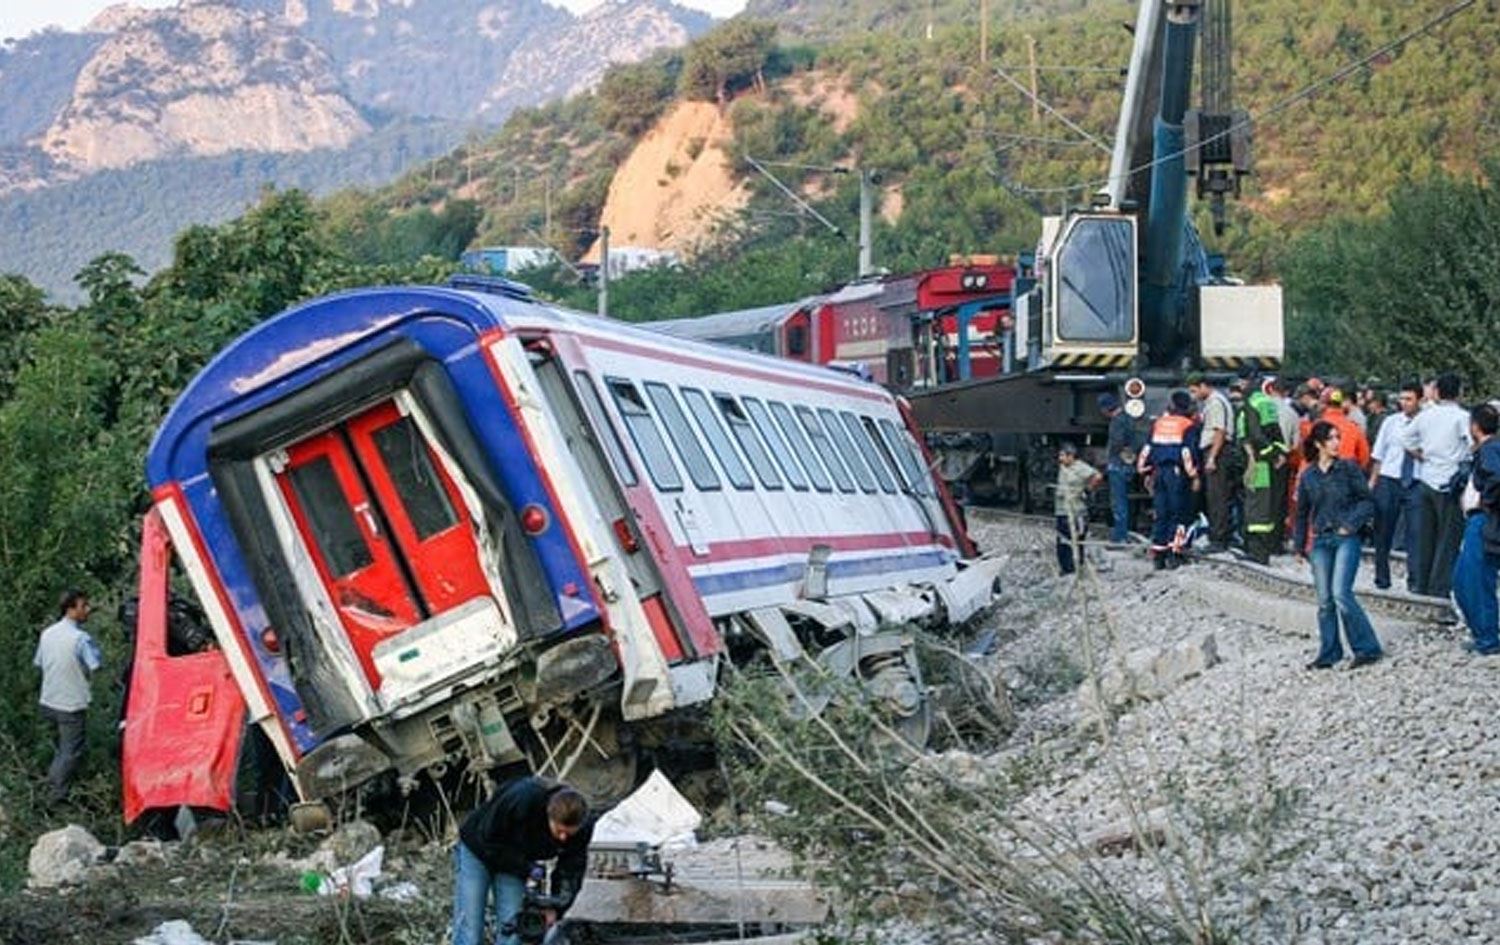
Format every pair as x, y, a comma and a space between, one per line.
1095, 282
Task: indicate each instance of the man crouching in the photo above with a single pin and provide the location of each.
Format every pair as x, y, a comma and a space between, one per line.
525, 821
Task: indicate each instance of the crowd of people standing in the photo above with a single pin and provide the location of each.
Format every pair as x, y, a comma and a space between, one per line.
1317, 471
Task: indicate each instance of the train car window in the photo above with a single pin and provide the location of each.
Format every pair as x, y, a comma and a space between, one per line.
896, 468
779, 446
825, 448
416, 481
796, 340
749, 440
718, 440
861, 438
648, 439
800, 446
901, 447
700, 470
852, 459
330, 517
606, 432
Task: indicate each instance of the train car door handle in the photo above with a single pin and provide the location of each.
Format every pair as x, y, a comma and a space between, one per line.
364, 511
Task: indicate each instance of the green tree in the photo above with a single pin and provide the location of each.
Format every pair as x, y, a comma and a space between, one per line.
730, 57
632, 96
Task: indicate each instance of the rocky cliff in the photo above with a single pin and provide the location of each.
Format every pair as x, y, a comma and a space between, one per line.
199, 80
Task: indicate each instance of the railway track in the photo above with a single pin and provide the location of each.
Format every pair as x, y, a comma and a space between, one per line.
1271, 580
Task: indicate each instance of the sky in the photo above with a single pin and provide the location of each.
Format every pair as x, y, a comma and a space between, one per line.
21, 17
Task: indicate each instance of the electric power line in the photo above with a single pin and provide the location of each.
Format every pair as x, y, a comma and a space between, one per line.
1301, 95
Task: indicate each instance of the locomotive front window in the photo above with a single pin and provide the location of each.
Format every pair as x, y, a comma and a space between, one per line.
648, 439
861, 437
698, 467
330, 518
779, 446
825, 448
607, 434
1096, 282
415, 478
800, 446
718, 440
749, 440
846, 449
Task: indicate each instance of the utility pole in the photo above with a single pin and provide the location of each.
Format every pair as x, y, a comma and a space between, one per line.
603, 272
984, 31
866, 227
547, 205
1036, 108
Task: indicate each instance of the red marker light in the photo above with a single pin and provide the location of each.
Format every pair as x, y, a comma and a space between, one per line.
624, 536
269, 641
534, 520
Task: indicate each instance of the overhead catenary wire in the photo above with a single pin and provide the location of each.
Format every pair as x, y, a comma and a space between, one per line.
1301, 95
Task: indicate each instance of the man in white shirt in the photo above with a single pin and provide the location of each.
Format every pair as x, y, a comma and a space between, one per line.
1216, 443
67, 657
1393, 482
1438, 438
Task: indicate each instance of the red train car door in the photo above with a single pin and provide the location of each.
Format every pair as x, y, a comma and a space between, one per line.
385, 526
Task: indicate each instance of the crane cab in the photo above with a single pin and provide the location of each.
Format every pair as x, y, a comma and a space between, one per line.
1083, 311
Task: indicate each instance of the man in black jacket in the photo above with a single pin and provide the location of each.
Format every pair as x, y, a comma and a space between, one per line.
526, 821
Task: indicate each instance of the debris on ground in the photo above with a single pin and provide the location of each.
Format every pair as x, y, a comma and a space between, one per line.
63, 857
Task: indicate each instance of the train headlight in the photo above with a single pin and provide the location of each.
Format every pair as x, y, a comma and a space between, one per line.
1135, 408
1135, 388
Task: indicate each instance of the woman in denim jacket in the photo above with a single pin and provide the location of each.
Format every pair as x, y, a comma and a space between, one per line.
1334, 497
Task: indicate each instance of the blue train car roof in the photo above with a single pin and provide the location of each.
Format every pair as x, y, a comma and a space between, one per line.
274, 352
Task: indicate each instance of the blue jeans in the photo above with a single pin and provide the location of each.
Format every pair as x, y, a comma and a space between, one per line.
1389, 499
1474, 587
1119, 502
472, 884
1335, 561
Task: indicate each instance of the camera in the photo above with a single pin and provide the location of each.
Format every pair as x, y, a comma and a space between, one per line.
530, 924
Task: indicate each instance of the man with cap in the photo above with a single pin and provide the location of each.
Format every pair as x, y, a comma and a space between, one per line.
1120, 451
1353, 444
1170, 458
1259, 433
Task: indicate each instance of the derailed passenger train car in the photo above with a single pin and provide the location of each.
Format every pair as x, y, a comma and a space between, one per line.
453, 526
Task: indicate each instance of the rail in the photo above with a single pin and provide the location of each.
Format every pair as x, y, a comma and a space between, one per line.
1397, 604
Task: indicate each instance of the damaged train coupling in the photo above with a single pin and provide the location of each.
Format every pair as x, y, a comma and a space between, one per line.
441, 531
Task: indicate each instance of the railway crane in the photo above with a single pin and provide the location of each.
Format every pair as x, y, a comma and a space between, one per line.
1122, 296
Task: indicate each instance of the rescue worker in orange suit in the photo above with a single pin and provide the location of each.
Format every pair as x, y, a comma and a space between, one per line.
1170, 459
1353, 444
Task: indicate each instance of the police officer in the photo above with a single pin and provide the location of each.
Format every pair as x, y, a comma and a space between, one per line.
1258, 433
1170, 459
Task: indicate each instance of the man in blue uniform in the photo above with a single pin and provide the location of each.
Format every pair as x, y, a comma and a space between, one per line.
1170, 459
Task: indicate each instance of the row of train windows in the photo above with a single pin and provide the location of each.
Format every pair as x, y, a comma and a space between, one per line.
785, 445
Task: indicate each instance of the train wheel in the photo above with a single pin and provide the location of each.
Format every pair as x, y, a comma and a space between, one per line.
893, 684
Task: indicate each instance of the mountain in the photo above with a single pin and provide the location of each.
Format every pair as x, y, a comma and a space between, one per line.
198, 81
255, 81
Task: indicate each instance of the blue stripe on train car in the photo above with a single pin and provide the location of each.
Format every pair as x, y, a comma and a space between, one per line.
729, 581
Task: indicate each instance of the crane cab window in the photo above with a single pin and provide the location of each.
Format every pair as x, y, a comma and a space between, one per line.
643, 430
1096, 282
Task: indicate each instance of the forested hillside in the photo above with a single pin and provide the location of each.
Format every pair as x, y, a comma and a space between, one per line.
967, 165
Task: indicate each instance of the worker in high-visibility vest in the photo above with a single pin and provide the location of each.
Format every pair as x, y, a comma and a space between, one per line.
1170, 459
1259, 435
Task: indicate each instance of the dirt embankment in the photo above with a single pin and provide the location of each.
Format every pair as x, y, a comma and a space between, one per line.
679, 184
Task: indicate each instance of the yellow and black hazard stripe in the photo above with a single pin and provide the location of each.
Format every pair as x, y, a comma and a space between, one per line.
1235, 363
1097, 361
